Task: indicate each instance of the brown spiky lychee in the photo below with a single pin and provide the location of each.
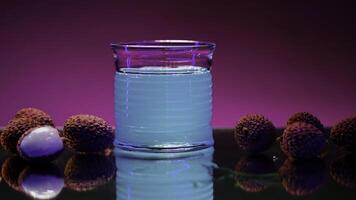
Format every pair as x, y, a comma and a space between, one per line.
87, 133
14, 130
309, 119
254, 133
343, 134
36, 114
302, 140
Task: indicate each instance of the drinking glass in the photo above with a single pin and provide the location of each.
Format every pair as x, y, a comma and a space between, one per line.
163, 95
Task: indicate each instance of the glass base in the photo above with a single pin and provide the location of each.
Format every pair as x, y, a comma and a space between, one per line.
164, 148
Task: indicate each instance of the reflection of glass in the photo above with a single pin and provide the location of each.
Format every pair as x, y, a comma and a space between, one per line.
164, 176
163, 95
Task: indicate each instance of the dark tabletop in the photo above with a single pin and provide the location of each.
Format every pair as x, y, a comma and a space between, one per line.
222, 172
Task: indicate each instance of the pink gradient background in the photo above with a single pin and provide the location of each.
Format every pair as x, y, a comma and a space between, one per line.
271, 58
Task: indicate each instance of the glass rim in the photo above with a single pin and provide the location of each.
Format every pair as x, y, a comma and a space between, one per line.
164, 44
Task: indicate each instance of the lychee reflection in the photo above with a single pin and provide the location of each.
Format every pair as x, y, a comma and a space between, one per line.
164, 175
36, 181
250, 168
343, 170
303, 177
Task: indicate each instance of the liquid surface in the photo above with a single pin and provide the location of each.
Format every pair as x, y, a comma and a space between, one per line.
163, 107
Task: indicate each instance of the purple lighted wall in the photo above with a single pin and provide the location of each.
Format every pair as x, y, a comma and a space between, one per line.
271, 58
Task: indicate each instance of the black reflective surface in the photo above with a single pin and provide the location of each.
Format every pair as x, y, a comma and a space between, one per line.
222, 172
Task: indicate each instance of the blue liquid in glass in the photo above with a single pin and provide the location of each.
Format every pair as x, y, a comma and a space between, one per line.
163, 108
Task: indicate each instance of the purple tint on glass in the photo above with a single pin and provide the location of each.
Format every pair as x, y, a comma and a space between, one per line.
166, 53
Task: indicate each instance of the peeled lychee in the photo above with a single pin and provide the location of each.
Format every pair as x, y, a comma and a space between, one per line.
40, 144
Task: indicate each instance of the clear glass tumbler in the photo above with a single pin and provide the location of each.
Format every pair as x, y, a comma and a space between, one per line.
163, 95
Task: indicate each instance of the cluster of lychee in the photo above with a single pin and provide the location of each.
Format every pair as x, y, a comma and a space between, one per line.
32, 135
303, 138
